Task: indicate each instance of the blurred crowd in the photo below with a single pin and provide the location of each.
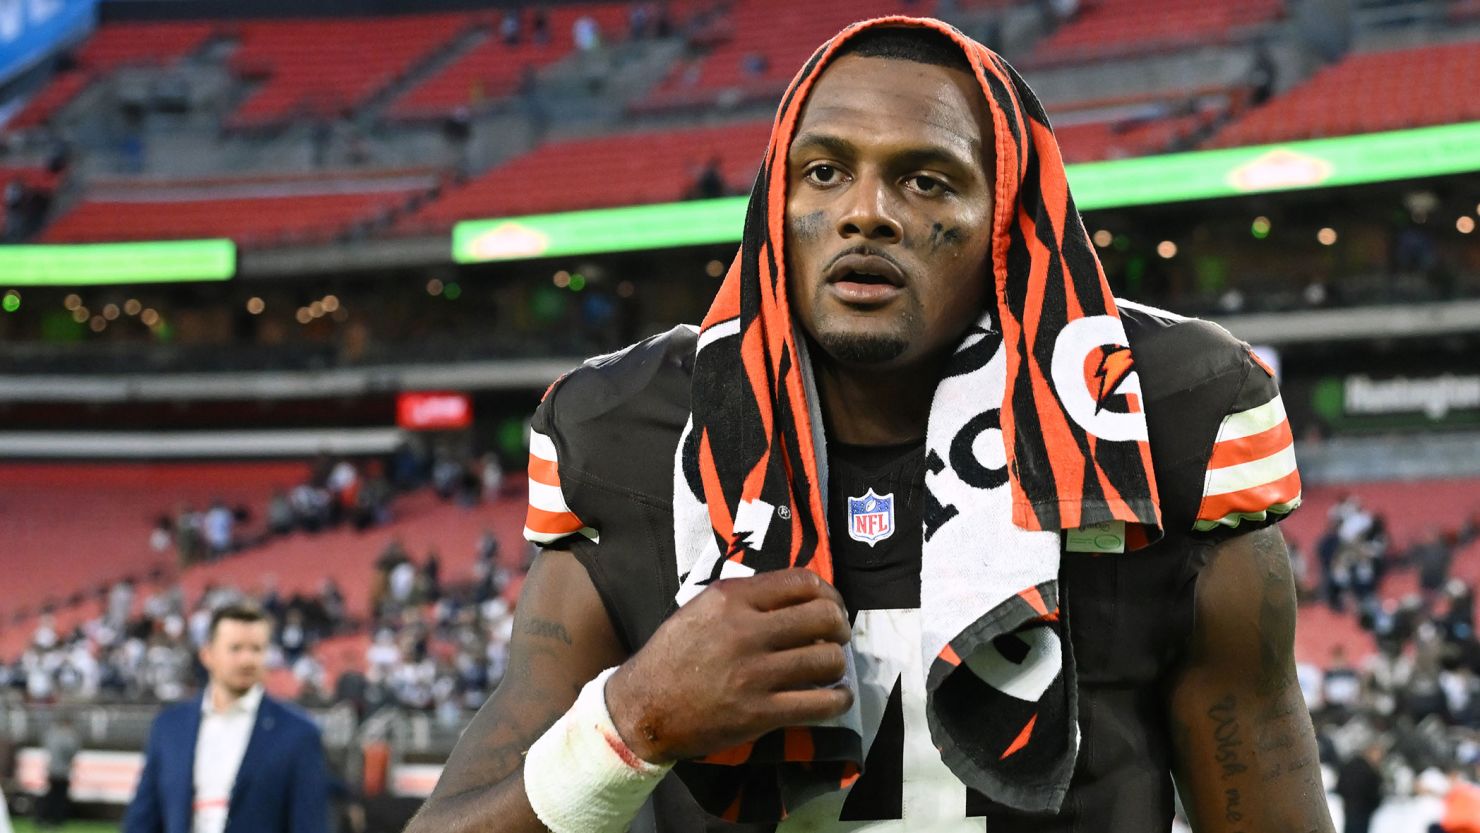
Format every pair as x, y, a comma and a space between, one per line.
1399, 728
433, 646
147, 652
335, 493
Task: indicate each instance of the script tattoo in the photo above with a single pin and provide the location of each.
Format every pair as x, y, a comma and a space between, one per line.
544, 627
1228, 738
1230, 807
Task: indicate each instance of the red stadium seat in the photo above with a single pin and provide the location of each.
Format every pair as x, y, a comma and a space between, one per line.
1409, 509
270, 210
773, 37
1115, 28
73, 528
323, 68
1368, 93
111, 47
630, 168
493, 69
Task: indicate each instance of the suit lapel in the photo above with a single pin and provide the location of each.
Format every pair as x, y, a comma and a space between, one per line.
257, 746
185, 807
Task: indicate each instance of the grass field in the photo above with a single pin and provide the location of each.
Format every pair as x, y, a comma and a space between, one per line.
26, 826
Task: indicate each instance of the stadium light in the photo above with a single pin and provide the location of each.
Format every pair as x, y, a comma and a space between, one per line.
1169, 178
95, 264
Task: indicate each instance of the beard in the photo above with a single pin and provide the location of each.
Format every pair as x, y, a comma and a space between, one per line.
874, 341
863, 348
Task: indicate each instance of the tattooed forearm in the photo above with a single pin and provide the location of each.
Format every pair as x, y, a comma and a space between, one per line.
1282, 741
1231, 805
1227, 737
544, 627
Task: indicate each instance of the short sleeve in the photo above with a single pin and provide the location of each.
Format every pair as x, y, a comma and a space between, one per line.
550, 519
1250, 478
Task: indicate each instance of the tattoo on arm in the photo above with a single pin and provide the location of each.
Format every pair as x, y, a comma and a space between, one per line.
1227, 736
545, 627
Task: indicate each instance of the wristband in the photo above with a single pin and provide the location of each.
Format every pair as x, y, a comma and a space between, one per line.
580, 776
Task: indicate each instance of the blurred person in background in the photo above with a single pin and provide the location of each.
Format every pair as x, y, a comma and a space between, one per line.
1359, 784
1460, 801
62, 743
232, 760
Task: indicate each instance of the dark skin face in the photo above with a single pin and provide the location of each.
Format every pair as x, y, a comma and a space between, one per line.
888, 242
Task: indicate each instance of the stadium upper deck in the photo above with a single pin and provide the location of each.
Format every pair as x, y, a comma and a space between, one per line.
495, 97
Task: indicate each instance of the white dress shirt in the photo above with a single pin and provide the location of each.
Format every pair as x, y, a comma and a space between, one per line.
219, 747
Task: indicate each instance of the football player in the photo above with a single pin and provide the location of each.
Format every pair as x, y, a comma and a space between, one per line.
913, 209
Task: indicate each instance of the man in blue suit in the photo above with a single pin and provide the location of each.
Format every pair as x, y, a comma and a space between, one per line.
232, 760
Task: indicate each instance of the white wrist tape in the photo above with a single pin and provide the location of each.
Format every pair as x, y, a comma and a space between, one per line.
580, 776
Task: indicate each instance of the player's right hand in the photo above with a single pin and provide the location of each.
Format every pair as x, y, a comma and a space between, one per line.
742, 658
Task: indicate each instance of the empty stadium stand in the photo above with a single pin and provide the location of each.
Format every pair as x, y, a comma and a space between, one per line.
624, 169
29, 177
1366, 93
323, 68
1116, 28
111, 47
69, 528
252, 211
756, 49
494, 69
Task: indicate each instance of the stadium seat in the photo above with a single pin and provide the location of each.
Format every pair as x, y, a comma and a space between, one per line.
494, 69
252, 211
111, 47
1116, 28
1409, 509
324, 68
756, 49
38, 178
1368, 93
624, 169
77, 527
71, 528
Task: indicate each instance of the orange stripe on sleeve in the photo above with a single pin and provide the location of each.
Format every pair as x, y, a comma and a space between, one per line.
552, 523
544, 471
1252, 500
1253, 447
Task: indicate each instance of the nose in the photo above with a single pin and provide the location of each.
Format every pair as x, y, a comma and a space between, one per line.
870, 212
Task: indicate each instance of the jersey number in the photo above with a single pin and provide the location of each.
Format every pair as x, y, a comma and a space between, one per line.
905, 785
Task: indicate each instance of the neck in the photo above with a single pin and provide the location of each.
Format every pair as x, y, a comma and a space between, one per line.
223, 698
866, 406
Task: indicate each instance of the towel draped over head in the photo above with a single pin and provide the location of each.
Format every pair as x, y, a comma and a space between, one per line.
1047, 365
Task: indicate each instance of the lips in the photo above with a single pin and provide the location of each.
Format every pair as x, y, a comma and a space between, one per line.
864, 280
865, 269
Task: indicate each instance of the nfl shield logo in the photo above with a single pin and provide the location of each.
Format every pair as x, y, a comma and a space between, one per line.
871, 517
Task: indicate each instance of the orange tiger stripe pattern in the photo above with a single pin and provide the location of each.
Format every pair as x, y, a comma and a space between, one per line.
751, 407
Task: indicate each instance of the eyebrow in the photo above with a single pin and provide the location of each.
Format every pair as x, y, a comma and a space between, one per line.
914, 156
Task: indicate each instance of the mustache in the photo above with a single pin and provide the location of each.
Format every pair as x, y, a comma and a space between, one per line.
866, 250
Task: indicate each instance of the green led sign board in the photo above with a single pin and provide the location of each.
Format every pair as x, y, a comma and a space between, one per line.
1170, 178
623, 229
96, 264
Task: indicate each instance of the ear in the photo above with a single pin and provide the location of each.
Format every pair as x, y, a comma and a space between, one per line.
204, 654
